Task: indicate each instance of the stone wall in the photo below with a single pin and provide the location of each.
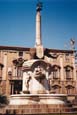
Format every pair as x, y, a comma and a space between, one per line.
35, 109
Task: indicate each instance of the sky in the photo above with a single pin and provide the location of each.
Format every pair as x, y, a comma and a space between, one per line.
59, 23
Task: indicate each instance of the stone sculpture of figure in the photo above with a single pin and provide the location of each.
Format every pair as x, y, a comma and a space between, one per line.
39, 72
39, 79
26, 82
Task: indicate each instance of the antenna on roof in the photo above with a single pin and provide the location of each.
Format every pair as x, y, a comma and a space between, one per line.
72, 43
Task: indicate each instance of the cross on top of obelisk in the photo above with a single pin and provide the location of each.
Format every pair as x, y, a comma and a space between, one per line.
39, 6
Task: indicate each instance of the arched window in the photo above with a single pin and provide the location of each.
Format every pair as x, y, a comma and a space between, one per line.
68, 72
70, 89
56, 71
56, 88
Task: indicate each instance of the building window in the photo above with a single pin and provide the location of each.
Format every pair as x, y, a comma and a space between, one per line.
16, 87
18, 67
56, 72
67, 57
69, 72
69, 89
56, 89
20, 54
17, 72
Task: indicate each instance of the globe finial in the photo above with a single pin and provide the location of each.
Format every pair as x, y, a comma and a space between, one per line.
39, 6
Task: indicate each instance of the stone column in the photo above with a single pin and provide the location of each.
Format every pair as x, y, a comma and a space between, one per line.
74, 67
5, 67
62, 69
38, 27
38, 43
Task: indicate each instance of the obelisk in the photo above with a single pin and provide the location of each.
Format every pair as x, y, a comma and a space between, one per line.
38, 44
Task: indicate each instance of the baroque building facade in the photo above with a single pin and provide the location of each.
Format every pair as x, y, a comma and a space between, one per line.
63, 76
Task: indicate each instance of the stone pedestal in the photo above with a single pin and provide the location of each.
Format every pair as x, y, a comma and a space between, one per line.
39, 104
39, 101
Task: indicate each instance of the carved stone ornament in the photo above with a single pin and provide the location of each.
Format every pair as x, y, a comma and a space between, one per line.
39, 51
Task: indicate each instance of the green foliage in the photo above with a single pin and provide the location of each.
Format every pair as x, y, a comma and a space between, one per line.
3, 100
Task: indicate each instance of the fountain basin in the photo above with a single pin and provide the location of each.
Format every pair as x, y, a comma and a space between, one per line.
23, 99
38, 104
